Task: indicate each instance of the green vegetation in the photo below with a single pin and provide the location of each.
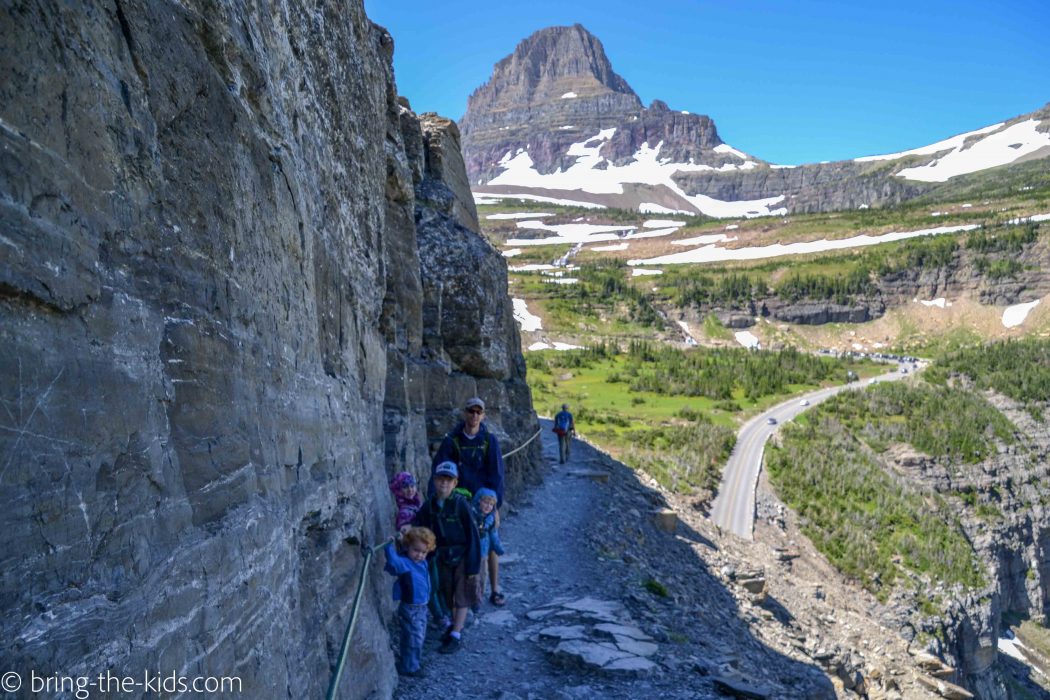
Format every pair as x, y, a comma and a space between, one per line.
872, 526
672, 413
656, 588
939, 421
1019, 369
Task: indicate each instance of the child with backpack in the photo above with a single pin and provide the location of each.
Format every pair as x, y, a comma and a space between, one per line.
412, 589
406, 495
485, 518
457, 560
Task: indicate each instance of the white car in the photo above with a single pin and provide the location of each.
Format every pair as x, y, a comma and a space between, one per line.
873, 380
771, 420
803, 402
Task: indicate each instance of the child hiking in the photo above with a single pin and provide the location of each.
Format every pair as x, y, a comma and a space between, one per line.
457, 559
485, 517
412, 589
406, 495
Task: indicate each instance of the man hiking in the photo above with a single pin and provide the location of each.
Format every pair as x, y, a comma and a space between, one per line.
565, 427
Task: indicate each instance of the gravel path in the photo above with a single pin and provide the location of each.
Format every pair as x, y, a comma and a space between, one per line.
579, 623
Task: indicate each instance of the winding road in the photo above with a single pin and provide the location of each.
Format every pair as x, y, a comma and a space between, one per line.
734, 507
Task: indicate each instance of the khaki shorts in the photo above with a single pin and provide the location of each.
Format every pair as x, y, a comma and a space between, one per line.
456, 588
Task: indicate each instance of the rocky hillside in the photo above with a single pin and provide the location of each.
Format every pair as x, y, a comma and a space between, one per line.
555, 121
241, 284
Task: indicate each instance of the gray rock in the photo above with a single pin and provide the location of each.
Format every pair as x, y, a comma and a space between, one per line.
584, 654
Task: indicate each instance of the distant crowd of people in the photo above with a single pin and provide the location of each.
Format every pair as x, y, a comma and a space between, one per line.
446, 540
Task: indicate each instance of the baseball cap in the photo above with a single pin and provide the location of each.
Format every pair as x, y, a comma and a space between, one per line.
474, 401
447, 469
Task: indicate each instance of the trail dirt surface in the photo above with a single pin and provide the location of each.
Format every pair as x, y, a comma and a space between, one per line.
603, 603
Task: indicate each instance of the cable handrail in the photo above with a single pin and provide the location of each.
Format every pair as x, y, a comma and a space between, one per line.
521, 447
369, 553
333, 687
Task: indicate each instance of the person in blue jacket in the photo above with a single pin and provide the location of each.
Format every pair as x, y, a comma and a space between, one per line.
412, 589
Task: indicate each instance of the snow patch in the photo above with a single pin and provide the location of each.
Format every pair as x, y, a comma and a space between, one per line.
747, 339
517, 215
726, 148
641, 271
568, 96
1016, 314
953, 142
542, 345
526, 319
939, 302
497, 197
661, 223
713, 253
996, 149
610, 248
512, 252
652, 208
646, 168
655, 233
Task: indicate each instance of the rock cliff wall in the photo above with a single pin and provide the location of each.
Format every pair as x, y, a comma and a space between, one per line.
236, 292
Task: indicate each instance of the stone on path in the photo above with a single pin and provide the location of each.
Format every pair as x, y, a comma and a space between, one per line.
564, 632
739, 688
632, 665
587, 654
503, 618
665, 519
598, 475
623, 631
944, 688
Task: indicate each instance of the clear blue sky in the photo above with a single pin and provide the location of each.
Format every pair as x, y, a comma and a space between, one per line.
789, 82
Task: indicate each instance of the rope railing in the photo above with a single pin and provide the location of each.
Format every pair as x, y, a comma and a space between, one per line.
333, 687
521, 447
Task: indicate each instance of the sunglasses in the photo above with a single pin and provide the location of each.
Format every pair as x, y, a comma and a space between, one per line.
474, 410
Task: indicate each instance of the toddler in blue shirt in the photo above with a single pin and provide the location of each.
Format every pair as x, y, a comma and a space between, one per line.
412, 588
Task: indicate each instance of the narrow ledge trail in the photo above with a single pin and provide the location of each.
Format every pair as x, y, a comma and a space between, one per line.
580, 620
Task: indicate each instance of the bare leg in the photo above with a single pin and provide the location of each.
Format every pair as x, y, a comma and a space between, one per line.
459, 618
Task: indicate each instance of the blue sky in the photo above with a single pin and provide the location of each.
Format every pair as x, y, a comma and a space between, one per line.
788, 82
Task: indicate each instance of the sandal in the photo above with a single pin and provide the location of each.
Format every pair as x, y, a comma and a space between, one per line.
497, 598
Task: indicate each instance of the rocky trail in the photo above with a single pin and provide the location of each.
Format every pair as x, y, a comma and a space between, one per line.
602, 602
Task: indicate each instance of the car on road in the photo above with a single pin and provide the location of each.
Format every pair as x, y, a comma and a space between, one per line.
904, 370
803, 402
771, 420
872, 380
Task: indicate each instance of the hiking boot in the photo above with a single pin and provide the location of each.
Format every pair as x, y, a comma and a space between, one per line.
418, 673
451, 646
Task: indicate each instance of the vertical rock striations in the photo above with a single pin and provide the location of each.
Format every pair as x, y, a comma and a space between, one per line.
215, 341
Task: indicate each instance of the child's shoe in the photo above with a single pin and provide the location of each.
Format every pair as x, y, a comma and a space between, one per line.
451, 646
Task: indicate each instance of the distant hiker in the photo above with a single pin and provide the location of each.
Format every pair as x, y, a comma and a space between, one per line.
412, 588
457, 560
485, 518
406, 495
476, 451
565, 427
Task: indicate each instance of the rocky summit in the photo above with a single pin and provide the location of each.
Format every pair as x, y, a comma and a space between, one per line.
557, 97
555, 122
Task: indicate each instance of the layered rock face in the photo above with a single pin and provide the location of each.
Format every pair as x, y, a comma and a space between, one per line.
227, 317
559, 88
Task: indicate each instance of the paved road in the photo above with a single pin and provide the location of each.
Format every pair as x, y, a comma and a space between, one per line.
734, 507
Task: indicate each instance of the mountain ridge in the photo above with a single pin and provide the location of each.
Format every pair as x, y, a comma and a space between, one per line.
598, 145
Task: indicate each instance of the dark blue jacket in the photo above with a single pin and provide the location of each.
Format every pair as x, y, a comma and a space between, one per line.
413, 580
453, 525
479, 460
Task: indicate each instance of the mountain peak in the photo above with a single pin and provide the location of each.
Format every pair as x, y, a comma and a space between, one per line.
552, 64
